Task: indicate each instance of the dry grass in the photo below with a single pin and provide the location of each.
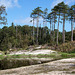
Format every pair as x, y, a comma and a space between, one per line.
67, 47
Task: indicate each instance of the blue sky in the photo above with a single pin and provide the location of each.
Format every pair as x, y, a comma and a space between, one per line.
19, 10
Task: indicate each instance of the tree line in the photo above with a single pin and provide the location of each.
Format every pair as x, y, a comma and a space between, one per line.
22, 36
16, 37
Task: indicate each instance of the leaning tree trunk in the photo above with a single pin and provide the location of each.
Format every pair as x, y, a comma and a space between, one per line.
58, 30
64, 29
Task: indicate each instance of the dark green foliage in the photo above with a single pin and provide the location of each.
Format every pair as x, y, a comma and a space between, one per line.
14, 63
10, 38
24, 38
3, 19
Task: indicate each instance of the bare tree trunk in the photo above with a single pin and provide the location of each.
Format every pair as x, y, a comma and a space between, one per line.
64, 30
45, 29
33, 31
58, 30
43, 24
54, 32
40, 31
50, 27
71, 31
37, 30
50, 31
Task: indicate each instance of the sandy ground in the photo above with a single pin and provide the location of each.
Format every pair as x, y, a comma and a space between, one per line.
59, 67
36, 52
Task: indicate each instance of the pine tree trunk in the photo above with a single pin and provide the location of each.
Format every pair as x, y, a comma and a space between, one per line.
64, 30
50, 31
33, 31
50, 27
37, 30
72, 29
54, 32
58, 30
40, 31
45, 29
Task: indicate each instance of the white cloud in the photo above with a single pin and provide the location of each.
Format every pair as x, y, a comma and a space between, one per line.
27, 21
55, 2
24, 21
9, 3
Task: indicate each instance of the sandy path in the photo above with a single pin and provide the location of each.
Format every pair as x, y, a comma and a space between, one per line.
36, 52
59, 67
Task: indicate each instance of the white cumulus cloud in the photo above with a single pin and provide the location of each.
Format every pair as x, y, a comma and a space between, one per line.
9, 3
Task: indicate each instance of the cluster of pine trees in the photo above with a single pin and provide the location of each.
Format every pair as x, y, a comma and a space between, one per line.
59, 14
22, 36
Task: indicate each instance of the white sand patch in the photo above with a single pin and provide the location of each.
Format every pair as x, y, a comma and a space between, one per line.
67, 60
36, 52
